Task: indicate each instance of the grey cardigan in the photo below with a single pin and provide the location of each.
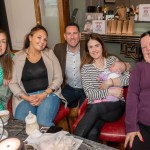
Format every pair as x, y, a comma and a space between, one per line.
54, 74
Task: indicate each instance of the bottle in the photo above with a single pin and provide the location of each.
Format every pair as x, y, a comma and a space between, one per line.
31, 123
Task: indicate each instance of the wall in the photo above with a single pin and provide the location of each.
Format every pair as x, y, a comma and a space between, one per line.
21, 18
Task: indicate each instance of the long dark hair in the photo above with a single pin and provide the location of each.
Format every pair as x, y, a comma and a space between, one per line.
34, 29
6, 60
87, 59
139, 48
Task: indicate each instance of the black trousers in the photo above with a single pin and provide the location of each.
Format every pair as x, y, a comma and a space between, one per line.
139, 145
73, 96
96, 115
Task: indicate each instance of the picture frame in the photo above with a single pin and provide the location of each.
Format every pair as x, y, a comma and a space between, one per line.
109, 1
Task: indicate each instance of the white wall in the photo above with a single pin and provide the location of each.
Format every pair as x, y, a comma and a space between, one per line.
21, 18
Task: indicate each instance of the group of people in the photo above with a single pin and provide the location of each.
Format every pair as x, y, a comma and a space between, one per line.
36, 74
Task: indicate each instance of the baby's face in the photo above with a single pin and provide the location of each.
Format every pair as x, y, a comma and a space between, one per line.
117, 67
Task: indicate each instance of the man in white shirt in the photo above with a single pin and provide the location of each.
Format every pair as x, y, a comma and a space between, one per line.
69, 55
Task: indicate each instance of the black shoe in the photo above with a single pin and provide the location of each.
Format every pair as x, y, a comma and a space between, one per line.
54, 129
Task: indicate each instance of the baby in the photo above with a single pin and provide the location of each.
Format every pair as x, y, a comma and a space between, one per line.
115, 71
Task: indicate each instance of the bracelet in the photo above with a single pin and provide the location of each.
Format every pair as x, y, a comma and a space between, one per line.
46, 93
112, 81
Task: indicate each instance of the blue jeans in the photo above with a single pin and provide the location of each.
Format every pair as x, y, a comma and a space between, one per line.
73, 96
45, 112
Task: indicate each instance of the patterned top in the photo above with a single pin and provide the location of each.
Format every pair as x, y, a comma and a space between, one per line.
1, 75
89, 74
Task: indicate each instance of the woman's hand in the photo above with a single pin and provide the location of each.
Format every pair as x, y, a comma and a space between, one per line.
130, 138
117, 92
37, 99
106, 84
32, 99
6, 82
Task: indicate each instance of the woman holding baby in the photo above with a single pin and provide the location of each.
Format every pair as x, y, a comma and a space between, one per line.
97, 61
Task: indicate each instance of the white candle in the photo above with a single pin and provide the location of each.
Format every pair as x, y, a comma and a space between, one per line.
10, 144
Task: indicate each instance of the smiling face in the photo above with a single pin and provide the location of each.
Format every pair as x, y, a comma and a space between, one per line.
38, 40
3, 43
145, 45
95, 49
72, 36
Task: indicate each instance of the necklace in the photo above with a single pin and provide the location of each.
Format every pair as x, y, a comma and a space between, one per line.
99, 64
33, 57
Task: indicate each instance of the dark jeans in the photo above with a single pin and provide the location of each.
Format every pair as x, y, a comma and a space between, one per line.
96, 115
139, 145
73, 96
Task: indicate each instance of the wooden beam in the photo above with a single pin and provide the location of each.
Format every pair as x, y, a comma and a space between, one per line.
64, 16
37, 12
61, 20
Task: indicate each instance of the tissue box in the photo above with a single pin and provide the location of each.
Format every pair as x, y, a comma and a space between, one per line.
99, 26
144, 12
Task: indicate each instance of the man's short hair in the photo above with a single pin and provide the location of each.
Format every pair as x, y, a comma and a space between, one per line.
72, 24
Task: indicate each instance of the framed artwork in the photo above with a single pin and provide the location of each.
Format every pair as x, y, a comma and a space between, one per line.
109, 1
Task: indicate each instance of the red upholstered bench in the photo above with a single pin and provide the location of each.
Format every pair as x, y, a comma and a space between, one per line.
113, 132
62, 113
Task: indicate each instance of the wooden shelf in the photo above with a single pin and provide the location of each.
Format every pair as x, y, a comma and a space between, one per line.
128, 42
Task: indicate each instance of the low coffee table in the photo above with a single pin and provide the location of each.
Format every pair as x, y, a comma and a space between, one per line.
16, 128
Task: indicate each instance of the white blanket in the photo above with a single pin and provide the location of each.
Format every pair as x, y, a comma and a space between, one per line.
53, 141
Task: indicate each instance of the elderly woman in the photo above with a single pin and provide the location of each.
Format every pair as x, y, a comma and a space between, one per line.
36, 79
138, 100
95, 62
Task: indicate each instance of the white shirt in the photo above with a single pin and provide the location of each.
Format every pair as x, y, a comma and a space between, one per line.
72, 71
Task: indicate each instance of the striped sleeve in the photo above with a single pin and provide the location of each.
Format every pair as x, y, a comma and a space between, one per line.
90, 84
125, 79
